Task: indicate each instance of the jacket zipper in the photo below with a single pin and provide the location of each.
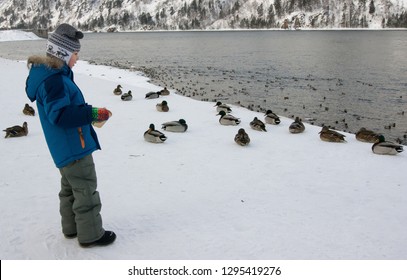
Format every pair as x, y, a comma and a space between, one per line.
81, 137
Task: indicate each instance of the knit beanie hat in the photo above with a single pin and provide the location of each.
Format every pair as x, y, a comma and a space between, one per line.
64, 41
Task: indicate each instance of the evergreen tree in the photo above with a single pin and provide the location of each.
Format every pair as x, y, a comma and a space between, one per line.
291, 4
297, 23
260, 10
244, 23
126, 18
344, 20
146, 19
100, 22
194, 6
195, 24
278, 8
163, 14
235, 7
203, 15
372, 8
270, 17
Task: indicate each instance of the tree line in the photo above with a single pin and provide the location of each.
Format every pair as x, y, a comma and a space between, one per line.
198, 14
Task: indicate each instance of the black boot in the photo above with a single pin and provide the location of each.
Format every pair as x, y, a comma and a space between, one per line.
108, 238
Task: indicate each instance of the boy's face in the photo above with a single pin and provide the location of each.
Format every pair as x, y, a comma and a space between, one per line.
74, 58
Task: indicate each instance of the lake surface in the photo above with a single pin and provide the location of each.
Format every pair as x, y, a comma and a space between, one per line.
345, 79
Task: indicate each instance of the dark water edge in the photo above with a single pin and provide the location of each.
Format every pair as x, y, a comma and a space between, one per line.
343, 79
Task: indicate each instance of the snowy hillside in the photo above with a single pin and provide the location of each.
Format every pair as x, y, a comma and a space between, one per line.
120, 15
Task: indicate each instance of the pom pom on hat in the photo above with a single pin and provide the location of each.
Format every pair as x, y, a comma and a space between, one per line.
64, 41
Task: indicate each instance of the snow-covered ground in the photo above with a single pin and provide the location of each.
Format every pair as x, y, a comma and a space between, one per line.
17, 35
200, 196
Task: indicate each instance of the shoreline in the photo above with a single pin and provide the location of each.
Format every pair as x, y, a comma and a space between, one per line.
254, 30
160, 77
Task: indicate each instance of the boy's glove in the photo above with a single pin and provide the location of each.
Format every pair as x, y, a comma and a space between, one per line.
100, 114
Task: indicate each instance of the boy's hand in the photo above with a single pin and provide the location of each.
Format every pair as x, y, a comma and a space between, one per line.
100, 114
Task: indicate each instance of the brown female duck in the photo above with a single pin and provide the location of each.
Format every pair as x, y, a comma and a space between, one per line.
329, 135
16, 131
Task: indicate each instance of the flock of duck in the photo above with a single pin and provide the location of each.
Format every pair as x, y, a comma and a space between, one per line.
152, 135
380, 145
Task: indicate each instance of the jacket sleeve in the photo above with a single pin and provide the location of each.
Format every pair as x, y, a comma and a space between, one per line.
59, 108
74, 116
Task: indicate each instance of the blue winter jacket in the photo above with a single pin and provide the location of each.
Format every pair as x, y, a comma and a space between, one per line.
65, 116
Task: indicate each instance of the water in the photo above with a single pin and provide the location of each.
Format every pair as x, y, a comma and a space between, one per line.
344, 79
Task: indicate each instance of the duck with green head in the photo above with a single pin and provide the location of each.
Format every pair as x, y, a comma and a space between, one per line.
227, 119
153, 94
383, 147
257, 124
154, 136
162, 107
127, 96
222, 107
175, 126
271, 118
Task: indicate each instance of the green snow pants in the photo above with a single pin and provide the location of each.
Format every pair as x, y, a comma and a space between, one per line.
79, 200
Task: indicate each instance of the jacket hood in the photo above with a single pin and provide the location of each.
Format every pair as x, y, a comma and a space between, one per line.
41, 68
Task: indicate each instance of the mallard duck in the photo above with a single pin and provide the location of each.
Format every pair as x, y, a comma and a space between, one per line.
365, 135
222, 107
28, 110
153, 94
162, 107
127, 96
227, 119
297, 126
271, 118
383, 147
118, 90
16, 131
330, 135
165, 91
257, 124
154, 136
175, 126
242, 138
